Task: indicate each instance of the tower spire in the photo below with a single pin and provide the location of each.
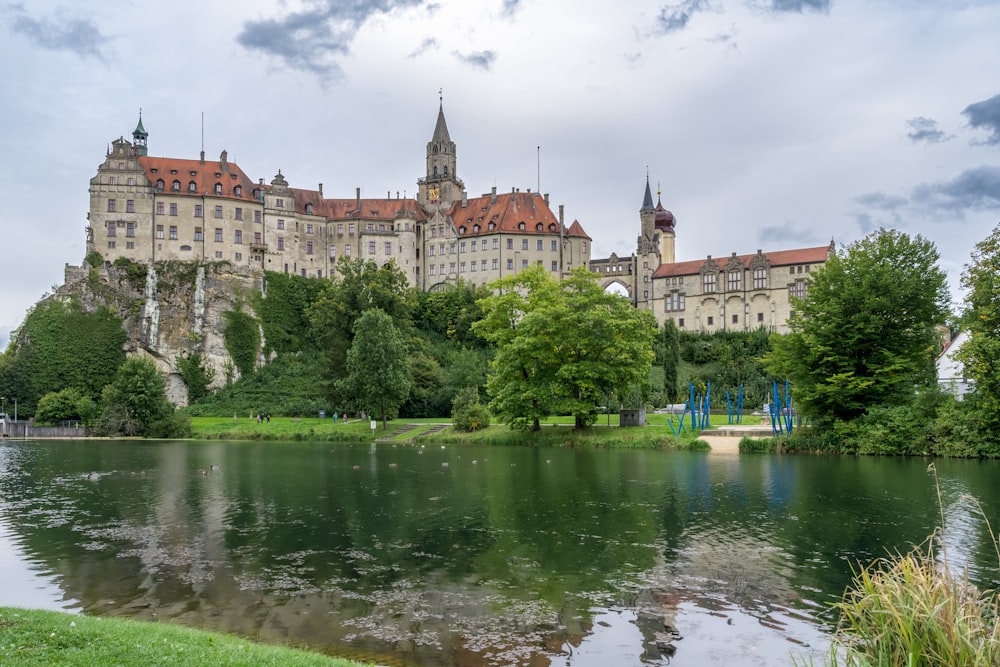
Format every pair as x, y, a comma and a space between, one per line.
647, 199
139, 136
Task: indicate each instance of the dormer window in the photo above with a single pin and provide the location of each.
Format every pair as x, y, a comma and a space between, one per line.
461, 230
309, 209
475, 228
176, 187
520, 226
256, 193
492, 225
159, 184
538, 227
218, 188
192, 186
194, 173
238, 191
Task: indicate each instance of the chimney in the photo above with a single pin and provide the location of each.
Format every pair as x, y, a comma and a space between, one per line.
261, 181
546, 198
203, 157
357, 199
493, 195
223, 162
465, 199
320, 189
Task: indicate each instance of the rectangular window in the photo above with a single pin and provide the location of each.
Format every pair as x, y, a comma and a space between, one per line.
218, 234
340, 229
256, 238
279, 203
734, 281
463, 246
736, 319
112, 205
159, 208
302, 272
708, 282
256, 216
760, 317
371, 247
309, 229
309, 247
451, 267
239, 256
473, 246
112, 180
347, 250
173, 209
538, 244
496, 244
760, 278
680, 322
111, 245
482, 265
198, 235
333, 252
555, 245
197, 211
130, 229
496, 263
281, 224
281, 243
130, 206
473, 267
159, 231
711, 320
319, 273
430, 270
218, 212
797, 289
130, 245
238, 236
388, 248
510, 265
524, 244
430, 250
524, 263
238, 213
555, 265
350, 228
370, 227
173, 232
130, 180
510, 244
112, 230
451, 250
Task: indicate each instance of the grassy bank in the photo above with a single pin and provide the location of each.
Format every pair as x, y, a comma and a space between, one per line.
555, 432
33, 637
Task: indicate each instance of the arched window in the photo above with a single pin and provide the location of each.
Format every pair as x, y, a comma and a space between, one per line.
538, 227
176, 187
256, 193
446, 170
192, 186
435, 170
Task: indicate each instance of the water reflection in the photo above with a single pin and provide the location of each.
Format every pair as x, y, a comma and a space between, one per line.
472, 556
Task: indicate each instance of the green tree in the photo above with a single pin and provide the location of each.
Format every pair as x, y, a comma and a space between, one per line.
242, 339
282, 308
67, 405
135, 400
378, 372
671, 348
467, 412
358, 285
449, 313
196, 375
562, 346
864, 335
981, 320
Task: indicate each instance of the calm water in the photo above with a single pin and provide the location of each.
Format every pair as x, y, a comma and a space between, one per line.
473, 556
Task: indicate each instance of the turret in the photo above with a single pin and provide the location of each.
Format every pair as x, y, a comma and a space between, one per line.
139, 137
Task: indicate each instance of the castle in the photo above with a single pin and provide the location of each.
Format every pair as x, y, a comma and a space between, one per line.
150, 209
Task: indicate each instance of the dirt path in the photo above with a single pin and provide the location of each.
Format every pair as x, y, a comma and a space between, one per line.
726, 439
722, 444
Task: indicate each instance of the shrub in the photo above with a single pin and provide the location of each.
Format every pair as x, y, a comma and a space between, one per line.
468, 414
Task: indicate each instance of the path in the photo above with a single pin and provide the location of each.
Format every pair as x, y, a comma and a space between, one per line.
726, 439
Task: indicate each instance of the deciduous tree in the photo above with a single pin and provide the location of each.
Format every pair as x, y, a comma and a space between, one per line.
864, 334
378, 372
135, 400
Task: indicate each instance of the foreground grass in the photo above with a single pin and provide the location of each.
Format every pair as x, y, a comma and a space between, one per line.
33, 637
556, 431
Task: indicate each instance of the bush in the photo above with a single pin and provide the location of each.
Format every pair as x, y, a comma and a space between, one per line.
468, 414
176, 425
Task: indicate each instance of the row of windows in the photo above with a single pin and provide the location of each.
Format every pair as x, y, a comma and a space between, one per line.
192, 186
734, 280
472, 266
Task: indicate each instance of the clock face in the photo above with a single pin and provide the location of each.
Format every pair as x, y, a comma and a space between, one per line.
433, 192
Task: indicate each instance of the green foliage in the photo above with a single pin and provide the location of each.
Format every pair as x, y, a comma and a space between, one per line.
428, 378
864, 334
981, 319
196, 375
134, 272
467, 413
242, 339
671, 352
285, 386
67, 405
60, 346
449, 313
94, 259
282, 310
378, 373
562, 346
358, 286
135, 400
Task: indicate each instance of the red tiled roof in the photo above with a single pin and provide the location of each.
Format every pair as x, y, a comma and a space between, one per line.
815, 255
576, 229
202, 173
506, 214
347, 209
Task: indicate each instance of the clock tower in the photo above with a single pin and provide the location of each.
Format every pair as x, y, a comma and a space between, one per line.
441, 186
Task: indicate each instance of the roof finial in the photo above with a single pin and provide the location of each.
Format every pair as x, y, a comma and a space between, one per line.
441, 95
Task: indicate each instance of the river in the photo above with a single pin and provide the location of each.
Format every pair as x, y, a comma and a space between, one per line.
468, 556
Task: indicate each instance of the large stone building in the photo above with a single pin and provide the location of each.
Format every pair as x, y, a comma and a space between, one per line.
735, 293
151, 209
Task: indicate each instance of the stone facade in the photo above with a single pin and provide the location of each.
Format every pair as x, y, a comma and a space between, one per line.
738, 293
149, 209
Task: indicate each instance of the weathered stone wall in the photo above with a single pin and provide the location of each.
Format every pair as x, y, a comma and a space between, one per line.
175, 309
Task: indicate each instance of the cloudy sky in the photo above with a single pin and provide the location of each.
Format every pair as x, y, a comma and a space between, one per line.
768, 124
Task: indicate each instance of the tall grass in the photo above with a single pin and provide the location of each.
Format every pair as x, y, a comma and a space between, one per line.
912, 610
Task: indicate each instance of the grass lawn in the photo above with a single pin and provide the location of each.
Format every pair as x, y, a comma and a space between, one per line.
34, 637
556, 431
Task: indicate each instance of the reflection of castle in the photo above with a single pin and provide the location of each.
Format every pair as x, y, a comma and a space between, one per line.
738, 293
151, 209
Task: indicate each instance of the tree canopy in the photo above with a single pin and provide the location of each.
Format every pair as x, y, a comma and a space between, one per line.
378, 373
864, 334
135, 400
981, 319
562, 347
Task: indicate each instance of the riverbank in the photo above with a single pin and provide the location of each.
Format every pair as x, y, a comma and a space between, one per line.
35, 637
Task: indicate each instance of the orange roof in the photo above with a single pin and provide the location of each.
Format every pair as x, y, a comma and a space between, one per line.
347, 209
815, 255
204, 174
510, 212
